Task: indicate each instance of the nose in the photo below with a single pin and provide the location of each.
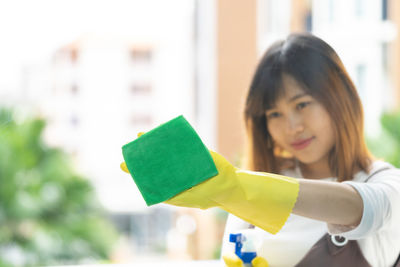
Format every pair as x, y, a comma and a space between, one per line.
295, 123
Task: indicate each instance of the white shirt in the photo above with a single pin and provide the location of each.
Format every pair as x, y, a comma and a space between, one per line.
378, 233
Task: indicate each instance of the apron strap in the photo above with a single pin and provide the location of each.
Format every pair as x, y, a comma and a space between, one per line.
332, 251
397, 263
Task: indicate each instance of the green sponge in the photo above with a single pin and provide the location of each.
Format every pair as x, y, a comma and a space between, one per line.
168, 160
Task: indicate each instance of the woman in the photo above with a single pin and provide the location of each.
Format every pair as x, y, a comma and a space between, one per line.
305, 120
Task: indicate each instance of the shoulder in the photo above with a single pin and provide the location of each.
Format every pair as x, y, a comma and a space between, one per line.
379, 170
379, 189
380, 184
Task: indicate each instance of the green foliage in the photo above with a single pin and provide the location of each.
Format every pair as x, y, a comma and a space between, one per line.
387, 146
48, 213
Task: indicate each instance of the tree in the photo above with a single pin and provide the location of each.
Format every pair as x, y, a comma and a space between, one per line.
48, 213
387, 146
391, 123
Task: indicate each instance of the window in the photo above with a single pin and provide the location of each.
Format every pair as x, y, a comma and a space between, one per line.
74, 88
361, 71
331, 10
146, 231
360, 8
142, 89
73, 55
385, 9
142, 120
141, 55
74, 120
308, 21
274, 16
385, 56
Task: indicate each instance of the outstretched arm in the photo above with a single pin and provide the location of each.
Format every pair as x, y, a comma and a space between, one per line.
332, 202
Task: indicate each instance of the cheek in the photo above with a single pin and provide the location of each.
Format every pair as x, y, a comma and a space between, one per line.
331, 138
326, 128
275, 131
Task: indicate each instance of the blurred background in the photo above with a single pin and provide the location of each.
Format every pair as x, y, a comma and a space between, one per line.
79, 79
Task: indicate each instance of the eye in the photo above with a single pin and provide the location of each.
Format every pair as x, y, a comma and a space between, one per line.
272, 115
302, 105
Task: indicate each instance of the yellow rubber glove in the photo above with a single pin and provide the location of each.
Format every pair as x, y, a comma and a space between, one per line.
262, 199
259, 262
232, 260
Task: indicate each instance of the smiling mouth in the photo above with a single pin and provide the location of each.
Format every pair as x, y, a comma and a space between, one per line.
302, 143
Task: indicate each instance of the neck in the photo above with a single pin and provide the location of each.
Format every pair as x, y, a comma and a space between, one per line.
316, 170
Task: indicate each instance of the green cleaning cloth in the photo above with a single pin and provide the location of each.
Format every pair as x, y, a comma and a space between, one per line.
168, 160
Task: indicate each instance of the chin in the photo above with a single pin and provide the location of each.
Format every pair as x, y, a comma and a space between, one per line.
308, 159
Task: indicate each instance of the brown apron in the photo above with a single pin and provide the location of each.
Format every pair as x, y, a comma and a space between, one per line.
326, 254
332, 251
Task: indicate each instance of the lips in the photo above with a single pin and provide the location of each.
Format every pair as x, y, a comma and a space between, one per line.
302, 143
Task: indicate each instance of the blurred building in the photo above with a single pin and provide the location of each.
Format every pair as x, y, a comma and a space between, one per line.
362, 33
100, 89
365, 34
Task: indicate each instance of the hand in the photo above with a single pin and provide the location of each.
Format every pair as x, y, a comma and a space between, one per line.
259, 262
262, 199
123, 164
208, 193
232, 260
200, 195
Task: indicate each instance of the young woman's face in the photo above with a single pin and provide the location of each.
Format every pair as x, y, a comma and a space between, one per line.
301, 125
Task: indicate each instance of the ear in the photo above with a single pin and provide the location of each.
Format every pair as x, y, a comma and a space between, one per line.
279, 152
287, 163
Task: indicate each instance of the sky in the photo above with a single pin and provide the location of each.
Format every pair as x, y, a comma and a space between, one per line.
31, 30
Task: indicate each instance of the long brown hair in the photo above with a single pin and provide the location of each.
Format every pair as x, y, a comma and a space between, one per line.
317, 67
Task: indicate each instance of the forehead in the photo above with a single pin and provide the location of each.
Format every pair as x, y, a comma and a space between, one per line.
290, 87
277, 87
290, 90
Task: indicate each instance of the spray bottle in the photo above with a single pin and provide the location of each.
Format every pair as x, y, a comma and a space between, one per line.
245, 244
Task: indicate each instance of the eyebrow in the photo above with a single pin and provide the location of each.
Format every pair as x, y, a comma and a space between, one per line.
297, 97
290, 100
